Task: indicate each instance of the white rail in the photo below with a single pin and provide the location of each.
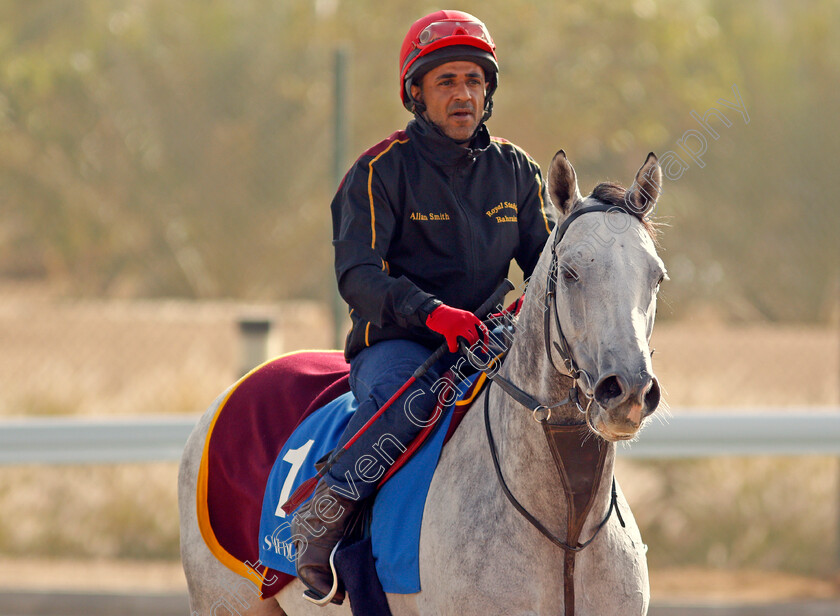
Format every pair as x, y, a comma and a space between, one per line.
688, 433
94, 441
699, 433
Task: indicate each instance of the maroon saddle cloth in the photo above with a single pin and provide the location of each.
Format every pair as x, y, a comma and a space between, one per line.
247, 433
249, 429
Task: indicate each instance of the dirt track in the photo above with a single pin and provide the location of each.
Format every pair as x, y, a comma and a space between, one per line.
63, 604
131, 577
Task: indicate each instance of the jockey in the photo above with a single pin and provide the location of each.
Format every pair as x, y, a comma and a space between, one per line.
425, 226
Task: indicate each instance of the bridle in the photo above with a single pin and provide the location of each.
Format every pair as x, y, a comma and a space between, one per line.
560, 438
542, 412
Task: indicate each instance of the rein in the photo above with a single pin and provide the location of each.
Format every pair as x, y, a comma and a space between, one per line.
580, 471
577, 547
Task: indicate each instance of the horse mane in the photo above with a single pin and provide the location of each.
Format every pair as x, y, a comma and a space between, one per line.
615, 194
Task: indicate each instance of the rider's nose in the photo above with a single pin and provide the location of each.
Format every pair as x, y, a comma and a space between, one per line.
462, 92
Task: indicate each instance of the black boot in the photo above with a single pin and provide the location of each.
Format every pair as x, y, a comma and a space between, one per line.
316, 528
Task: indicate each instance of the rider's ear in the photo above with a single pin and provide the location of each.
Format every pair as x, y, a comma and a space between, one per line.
646, 188
562, 183
417, 93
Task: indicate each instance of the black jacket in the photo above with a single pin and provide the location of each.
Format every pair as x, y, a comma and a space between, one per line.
420, 217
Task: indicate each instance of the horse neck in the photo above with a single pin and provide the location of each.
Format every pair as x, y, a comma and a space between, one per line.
525, 457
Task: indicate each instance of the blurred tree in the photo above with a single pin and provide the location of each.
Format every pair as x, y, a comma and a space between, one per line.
152, 148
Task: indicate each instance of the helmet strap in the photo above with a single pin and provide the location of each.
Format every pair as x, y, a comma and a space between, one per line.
488, 109
419, 107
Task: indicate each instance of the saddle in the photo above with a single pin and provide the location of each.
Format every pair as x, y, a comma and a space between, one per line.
250, 437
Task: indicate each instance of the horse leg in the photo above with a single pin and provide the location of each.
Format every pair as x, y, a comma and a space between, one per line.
213, 588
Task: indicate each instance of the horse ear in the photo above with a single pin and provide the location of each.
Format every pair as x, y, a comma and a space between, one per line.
562, 183
646, 188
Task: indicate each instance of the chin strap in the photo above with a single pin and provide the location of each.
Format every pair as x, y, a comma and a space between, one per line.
488, 109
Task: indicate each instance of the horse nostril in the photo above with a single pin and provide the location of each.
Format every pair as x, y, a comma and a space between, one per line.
652, 397
608, 390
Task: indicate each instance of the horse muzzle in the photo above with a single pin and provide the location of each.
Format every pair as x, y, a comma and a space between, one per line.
624, 404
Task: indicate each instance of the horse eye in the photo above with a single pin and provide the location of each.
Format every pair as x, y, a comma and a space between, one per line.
569, 275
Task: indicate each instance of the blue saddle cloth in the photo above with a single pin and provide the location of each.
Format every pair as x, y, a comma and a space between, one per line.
397, 510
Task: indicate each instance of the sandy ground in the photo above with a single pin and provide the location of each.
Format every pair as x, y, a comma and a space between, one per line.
91, 575
690, 584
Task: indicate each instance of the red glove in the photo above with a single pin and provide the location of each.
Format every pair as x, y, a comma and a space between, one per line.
454, 323
512, 310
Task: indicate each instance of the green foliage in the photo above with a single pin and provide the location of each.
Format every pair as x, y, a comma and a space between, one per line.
155, 148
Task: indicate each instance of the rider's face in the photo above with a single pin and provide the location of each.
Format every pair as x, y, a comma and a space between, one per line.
454, 97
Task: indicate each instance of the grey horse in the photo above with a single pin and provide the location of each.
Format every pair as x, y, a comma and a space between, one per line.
584, 328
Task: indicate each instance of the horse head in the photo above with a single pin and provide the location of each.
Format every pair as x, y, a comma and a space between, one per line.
606, 275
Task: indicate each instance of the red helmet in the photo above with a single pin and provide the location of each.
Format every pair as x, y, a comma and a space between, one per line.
446, 36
